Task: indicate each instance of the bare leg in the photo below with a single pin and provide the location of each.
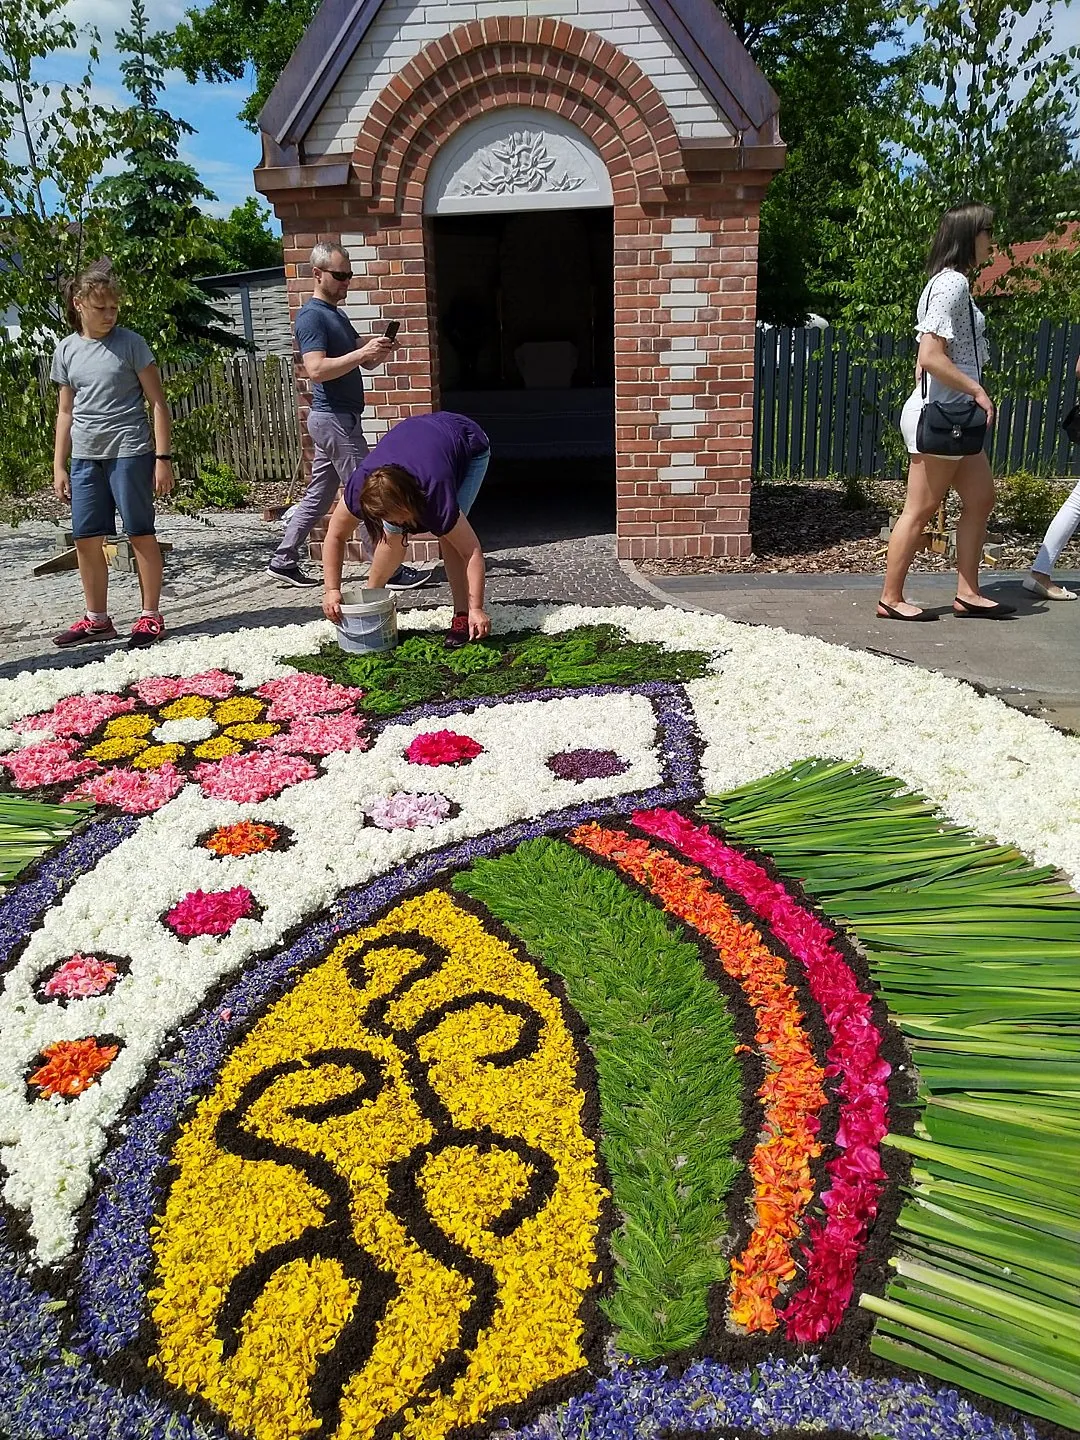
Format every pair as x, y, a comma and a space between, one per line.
974, 483
94, 573
148, 556
929, 477
456, 574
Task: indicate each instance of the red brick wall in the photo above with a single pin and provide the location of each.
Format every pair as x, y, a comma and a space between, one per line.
685, 268
684, 378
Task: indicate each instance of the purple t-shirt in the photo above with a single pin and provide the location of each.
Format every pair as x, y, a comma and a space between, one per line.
435, 450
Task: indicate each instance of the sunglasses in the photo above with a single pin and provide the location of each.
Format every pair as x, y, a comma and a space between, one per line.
340, 275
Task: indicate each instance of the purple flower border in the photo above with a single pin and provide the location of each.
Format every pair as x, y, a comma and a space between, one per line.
637, 1402
110, 1282
46, 1392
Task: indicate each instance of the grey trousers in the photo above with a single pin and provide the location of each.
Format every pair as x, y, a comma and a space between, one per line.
339, 447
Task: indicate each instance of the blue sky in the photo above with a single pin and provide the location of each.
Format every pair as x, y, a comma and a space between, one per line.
222, 150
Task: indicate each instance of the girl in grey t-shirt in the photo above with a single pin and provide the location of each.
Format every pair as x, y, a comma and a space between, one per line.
107, 376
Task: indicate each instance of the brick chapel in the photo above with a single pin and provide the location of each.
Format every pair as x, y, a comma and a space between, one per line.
558, 200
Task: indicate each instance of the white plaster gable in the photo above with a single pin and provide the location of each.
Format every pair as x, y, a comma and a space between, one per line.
404, 27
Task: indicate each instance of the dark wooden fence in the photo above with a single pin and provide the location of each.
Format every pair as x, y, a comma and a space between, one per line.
829, 404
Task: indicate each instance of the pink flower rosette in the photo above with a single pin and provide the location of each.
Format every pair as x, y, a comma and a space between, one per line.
137, 750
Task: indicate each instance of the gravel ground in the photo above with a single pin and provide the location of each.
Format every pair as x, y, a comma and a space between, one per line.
548, 543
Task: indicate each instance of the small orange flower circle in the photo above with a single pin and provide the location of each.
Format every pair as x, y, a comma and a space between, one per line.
246, 837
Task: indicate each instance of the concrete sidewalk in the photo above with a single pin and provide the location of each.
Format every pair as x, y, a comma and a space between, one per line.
1030, 660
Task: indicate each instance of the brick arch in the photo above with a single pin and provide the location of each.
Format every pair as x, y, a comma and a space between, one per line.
513, 61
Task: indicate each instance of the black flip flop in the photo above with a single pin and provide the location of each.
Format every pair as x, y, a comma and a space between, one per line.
891, 614
982, 612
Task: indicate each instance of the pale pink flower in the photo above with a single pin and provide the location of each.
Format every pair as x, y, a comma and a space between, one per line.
137, 792
407, 811
76, 714
79, 976
253, 777
158, 689
318, 735
50, 763
298, 696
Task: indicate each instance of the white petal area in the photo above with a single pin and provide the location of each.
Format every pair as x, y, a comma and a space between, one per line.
50, 1148
185, 731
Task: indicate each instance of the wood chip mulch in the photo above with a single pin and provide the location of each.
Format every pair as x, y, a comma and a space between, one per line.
809, 527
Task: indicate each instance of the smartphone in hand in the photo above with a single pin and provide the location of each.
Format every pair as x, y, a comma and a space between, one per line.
392, 329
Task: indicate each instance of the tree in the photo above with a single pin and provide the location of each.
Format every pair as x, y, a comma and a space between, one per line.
243, 240
158, 233
835, 68
219, 42
53, 142
982, 109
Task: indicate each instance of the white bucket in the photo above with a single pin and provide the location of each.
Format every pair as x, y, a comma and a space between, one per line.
368, 622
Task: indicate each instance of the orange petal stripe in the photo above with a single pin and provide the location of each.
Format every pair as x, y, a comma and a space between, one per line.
792, 1090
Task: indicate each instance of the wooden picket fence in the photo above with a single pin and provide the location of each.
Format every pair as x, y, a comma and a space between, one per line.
256, 430
827, 403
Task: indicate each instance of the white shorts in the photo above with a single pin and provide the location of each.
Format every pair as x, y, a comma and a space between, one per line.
909, 423
909, 420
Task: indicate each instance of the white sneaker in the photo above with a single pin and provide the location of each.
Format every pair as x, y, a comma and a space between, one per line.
1048, 592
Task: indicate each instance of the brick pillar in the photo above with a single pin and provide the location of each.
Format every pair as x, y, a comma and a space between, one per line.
685, 280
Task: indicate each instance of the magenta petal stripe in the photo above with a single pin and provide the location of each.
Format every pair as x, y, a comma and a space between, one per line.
856, 1175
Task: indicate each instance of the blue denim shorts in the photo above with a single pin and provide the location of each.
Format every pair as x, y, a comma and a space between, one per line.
467, 491
101, 487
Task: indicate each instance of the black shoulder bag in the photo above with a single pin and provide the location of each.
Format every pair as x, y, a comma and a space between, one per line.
952, 427
1071, 424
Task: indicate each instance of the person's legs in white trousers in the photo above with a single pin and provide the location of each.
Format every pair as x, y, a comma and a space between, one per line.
1058, 535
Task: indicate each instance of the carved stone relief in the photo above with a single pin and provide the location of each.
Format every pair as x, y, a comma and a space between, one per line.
517, 159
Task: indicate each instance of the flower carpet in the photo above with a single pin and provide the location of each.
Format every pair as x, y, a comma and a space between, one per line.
636, 1025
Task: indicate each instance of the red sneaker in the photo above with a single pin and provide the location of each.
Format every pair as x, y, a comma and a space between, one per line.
86, 631
147, 630
458, 634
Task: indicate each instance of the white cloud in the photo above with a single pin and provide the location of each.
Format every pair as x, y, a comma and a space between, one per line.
107, 16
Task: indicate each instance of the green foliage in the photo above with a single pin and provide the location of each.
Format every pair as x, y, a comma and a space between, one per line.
857, 494
979, 115
1027, 502
835, 69
154, 215
53, 141
975, 951
27, 417
243, 240
422, 668
29, 830
669, 1081
216, 486
220, 41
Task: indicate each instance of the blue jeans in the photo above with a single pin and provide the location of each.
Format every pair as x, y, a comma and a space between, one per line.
101, 487
467, 491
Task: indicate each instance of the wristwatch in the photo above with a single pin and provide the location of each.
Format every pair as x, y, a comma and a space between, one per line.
162, 457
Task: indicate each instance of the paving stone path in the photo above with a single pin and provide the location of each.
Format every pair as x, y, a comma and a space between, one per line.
215, 580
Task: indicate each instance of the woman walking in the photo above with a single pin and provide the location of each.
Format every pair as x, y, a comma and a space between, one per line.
107, 376
952, 353
424, 474
1041, 580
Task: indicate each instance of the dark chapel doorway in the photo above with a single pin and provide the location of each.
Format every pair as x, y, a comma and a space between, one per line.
524, 302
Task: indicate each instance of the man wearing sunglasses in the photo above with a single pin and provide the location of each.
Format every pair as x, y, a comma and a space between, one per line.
333, 357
